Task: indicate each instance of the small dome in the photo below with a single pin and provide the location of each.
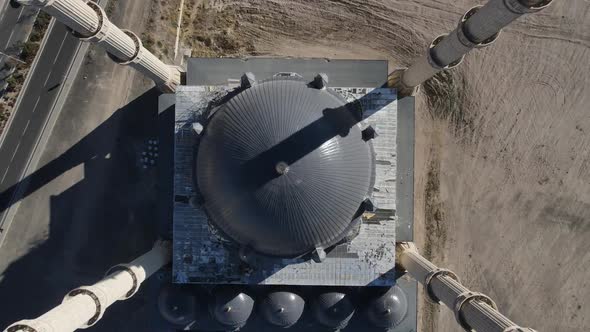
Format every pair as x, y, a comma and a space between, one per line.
389, 308
177, 305
282, 167
282, 309
333, 309
231, 307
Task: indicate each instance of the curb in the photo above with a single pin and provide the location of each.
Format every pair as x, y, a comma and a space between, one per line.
62, 95
26, 82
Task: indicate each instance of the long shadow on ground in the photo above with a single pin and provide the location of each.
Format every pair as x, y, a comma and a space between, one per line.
105, 219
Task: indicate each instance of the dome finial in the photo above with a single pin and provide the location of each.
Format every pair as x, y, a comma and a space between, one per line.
282, 168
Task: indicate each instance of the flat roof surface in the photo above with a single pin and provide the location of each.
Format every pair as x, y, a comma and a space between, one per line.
201, 256
342, 73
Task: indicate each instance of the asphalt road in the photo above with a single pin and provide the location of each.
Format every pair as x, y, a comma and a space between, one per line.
22, 139
90, 206
8, 18
14, 26
30, 116
39, 96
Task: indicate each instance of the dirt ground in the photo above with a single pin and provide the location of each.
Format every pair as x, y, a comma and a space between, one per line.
503, 143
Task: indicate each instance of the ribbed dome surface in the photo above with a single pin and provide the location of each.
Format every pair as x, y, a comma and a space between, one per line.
231, 308
282, 167
388, 309
282, 309
333, 309
177, 305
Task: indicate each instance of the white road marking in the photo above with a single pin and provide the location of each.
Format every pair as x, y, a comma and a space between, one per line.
60, 48
6, 218
178, 28
55, 60
20, 14
12, 32
25, 130
5, 173
4, 10
34, 108
36, 103
9, 38
47, 79
11, 159
21, 136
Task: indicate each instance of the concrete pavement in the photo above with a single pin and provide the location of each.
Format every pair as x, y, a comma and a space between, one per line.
32, 112
88, 204
30, 115
29, 119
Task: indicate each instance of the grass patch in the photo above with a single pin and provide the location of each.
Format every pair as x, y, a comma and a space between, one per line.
436, 230
40, 26
446, 97
214, 32
149, 42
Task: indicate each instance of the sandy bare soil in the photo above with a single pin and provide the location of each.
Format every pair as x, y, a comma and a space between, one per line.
503, 154
503, 141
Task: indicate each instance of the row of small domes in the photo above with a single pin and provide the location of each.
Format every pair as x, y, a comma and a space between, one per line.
232, 307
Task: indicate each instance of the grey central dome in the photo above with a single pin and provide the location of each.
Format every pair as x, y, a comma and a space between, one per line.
282, 167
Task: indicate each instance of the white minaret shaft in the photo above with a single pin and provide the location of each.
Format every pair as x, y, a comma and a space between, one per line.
479, 27
473, 311
84, 306
90, 23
